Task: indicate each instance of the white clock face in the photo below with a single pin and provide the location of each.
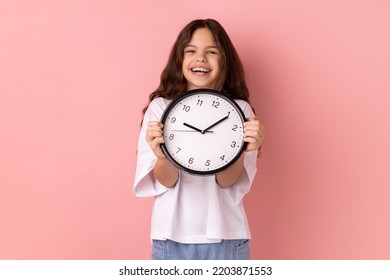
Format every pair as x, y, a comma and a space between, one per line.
203, 132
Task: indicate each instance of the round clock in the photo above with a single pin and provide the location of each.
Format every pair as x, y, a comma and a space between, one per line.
203, 131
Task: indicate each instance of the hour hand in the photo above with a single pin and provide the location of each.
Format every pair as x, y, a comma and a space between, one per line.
193, 127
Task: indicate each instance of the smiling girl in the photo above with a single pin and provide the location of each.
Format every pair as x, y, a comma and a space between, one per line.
198, 217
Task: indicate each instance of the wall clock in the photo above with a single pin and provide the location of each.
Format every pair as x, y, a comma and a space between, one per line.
203, 131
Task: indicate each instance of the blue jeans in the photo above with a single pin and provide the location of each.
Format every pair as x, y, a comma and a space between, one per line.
236, 249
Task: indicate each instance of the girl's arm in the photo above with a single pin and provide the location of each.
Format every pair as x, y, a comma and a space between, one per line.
254, 135
164, 171
231, 174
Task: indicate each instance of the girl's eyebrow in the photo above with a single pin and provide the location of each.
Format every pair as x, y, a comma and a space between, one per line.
208, 47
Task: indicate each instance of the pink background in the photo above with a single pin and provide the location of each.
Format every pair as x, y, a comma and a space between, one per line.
74, 76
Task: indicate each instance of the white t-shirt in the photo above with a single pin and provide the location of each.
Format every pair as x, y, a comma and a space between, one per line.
196, 210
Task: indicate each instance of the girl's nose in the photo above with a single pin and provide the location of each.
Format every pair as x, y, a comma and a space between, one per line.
201, 58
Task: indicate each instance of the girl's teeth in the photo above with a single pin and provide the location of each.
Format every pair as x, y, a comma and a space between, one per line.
200, 70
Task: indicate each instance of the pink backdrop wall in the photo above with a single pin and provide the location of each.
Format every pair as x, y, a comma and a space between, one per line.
74, 76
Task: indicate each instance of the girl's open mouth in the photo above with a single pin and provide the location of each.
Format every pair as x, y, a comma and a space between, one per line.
200, 70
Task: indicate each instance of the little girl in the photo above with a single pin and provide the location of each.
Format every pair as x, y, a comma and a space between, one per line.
198, 217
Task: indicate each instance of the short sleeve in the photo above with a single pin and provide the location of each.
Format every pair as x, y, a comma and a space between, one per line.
242, 186
144, 182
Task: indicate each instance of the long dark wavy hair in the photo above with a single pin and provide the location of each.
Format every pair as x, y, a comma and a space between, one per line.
232, 79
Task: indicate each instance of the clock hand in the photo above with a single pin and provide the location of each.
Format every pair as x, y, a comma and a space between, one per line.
214, 124
187, 130
193, 127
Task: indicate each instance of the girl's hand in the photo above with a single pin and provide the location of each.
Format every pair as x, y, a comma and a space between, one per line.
253, 133
154, 137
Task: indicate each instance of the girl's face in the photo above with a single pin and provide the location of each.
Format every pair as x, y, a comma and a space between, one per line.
201, 61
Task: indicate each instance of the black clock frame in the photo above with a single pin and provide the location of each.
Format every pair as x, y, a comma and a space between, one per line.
195, 92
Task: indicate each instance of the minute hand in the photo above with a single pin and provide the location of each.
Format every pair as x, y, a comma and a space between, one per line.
214, 124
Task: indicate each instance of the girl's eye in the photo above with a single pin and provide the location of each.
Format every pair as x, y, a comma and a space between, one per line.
189, 51
212, 52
